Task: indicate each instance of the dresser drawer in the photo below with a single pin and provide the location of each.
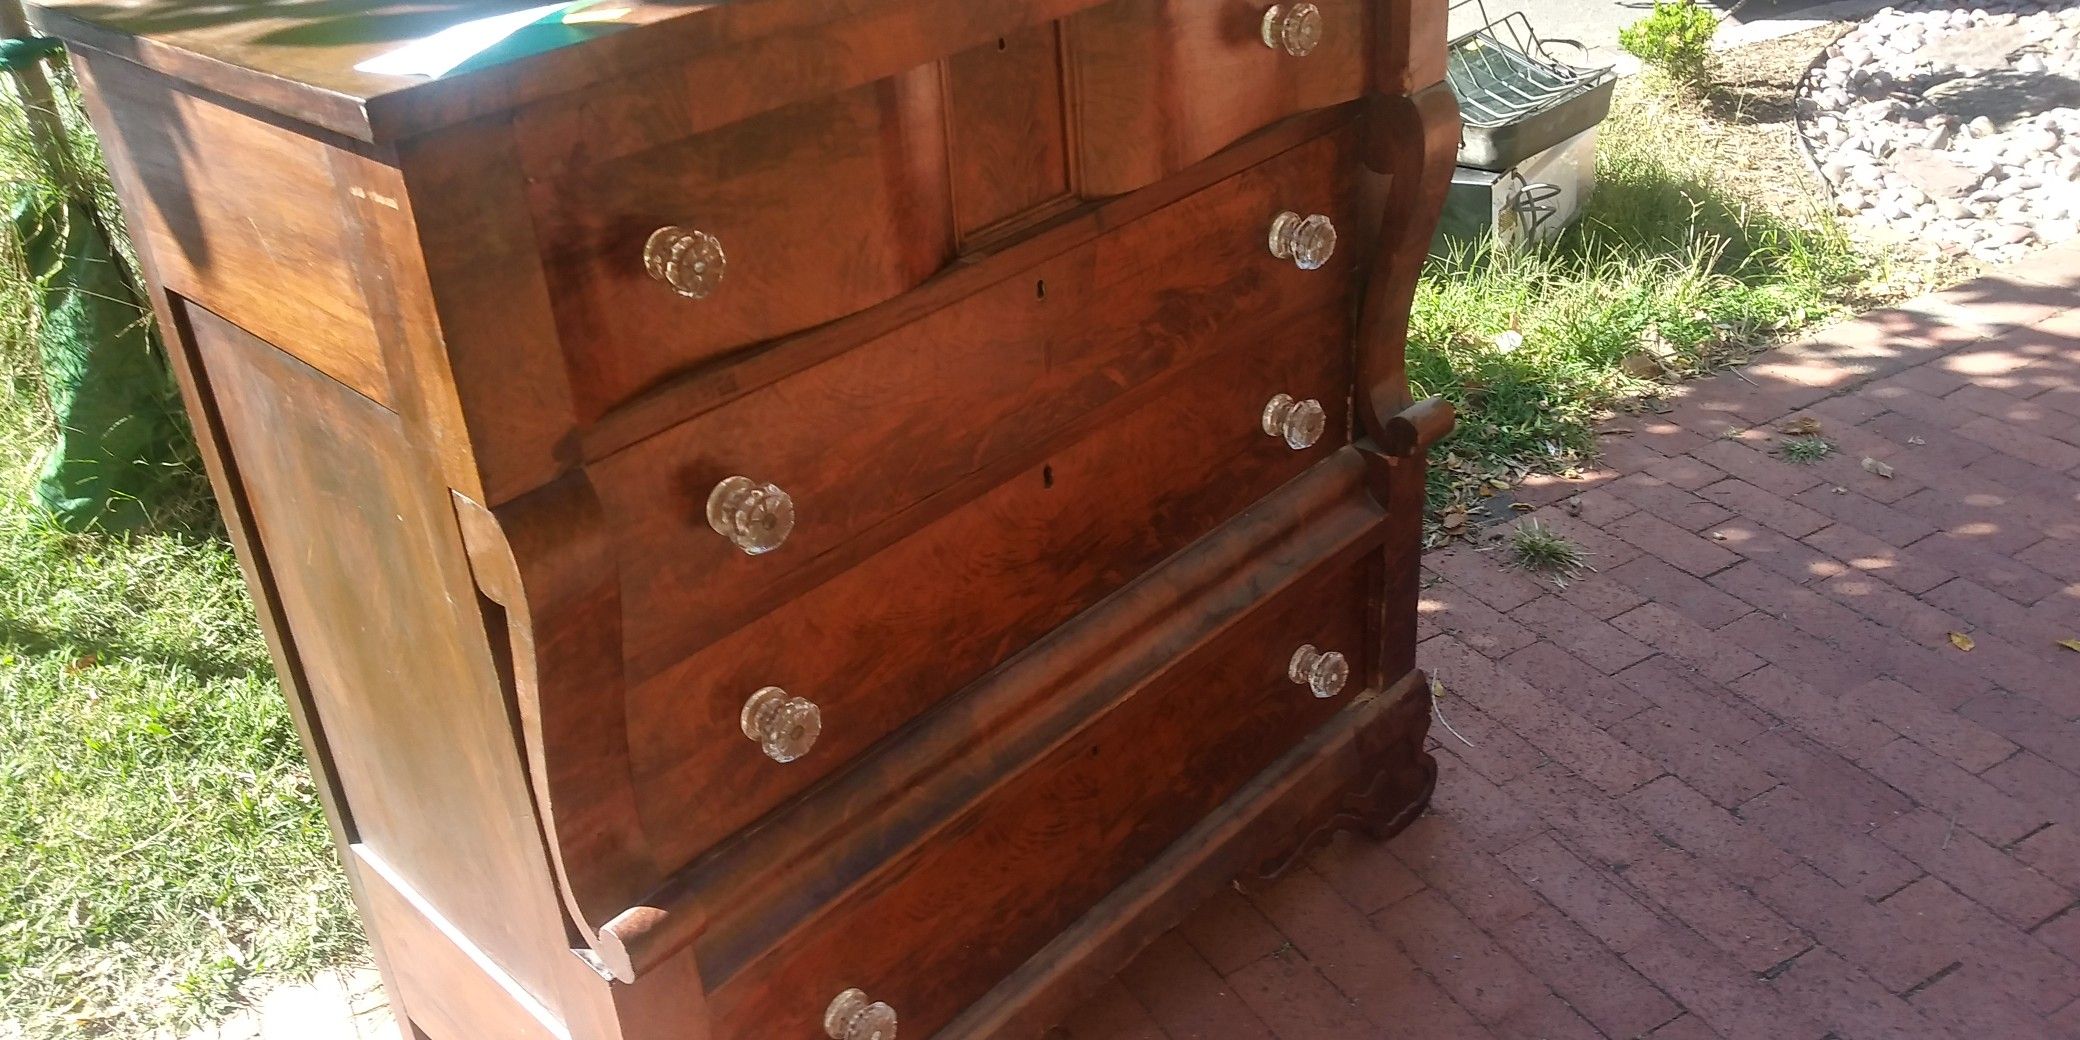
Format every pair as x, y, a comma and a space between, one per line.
970, 589
783, 221
876, 431
1161, 84
1001, 878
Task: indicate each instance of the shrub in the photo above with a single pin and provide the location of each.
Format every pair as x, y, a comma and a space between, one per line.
1675, 38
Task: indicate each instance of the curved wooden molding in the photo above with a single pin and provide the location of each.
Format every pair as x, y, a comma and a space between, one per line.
1415, 428
1414, 140
545, 559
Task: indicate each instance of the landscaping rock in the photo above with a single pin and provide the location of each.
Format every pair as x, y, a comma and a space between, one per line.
1953, 127
1937, 175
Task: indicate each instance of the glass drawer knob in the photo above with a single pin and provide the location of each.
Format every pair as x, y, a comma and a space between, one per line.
1308, 241
785, 726
852, 1017
1292, 28
755, 517
1324, 672
1298, 423
689, 261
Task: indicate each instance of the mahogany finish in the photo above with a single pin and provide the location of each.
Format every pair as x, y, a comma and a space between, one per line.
1162, 84
957, 394
824, 208
1086, 577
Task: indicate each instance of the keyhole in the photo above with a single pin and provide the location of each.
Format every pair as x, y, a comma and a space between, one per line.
1040, 289
1002, 45
1047, 476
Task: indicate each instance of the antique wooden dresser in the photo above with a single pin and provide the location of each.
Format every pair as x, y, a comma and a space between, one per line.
801, 518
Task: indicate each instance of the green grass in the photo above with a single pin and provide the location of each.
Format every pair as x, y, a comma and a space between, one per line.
1806, 450
1664, 255
161, 845
1547, 553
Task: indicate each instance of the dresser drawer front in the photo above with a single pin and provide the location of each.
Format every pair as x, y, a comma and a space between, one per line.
1161, 84
887, 639
797, 217
939, 925
863, 437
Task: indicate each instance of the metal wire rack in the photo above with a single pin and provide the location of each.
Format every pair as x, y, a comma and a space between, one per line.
1503, 72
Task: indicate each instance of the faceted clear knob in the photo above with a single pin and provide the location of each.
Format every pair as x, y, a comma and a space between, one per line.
1292, 28
1299, 423
689, 261
852, 1017
1307, 241
785, 726
1324, 672
756, 517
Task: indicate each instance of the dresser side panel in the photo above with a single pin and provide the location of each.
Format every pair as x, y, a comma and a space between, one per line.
243, 217
376, 593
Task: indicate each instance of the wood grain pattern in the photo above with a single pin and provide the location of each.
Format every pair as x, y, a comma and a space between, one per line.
1345, 754
1409, 49
714, 385
1007, 131
301, 62
358, 532
823, 209
544, 559
748, 894
1162, 84
962, 390
454, 989
245, 218
1016, 867
974, 587
1412, 140
999, 313
484, 313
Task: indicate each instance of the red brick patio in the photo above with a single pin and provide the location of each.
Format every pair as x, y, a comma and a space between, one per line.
1737, 783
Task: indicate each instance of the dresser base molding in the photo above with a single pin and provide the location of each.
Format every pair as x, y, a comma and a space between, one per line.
1380, 809
1366, 769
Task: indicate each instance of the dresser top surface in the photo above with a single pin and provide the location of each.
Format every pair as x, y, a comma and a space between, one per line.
307, 61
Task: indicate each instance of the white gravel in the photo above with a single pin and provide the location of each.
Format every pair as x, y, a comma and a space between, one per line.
1957, 130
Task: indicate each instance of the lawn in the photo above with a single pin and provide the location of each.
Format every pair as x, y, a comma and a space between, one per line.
162, 854
1673, 271
160, 839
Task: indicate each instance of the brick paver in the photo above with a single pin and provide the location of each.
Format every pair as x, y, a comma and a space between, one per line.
1738, 782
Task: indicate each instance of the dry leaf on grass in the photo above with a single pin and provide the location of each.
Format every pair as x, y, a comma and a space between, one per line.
1962, 641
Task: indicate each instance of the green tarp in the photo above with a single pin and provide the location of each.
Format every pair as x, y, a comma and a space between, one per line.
122, 443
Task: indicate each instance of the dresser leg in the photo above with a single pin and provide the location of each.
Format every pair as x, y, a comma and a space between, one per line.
1393, 790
